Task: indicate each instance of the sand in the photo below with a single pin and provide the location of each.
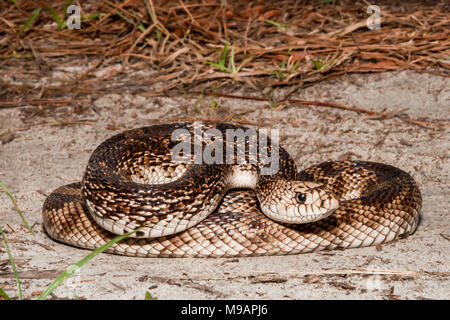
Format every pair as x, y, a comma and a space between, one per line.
41, 158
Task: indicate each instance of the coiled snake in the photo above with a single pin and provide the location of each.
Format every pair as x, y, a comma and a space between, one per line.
185, 208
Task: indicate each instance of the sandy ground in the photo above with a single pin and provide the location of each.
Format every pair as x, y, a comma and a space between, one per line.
41, 158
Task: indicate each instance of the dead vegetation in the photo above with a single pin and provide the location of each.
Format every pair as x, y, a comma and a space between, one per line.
257, 44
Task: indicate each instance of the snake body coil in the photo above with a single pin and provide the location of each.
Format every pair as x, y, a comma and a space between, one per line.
187, 209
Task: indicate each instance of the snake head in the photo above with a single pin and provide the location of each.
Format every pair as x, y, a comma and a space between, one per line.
296, 201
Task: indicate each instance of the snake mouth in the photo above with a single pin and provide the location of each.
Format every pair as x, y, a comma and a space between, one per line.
302, 214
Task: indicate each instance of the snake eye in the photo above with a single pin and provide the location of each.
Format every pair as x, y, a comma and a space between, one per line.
301, 197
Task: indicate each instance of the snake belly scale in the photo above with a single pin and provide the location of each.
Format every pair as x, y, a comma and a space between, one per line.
195, 209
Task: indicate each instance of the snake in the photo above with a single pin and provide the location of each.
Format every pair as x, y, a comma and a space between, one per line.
190, 189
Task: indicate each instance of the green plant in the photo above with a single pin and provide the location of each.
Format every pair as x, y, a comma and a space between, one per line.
13, 265
276, 24
284, 69
16, 3
148, 296
29, 21
213, 104
71, 269
140, 26
66, 274
17, 207
273, 101
221, 64
158, 33
320, 64
60, 20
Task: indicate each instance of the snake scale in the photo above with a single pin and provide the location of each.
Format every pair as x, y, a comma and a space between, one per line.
191, 208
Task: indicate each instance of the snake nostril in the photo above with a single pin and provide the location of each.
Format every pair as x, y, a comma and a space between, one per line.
140, 234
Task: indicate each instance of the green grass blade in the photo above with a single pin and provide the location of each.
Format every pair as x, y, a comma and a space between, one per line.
141, 27
66, 5
283, 63
16, 3
4, 295
125, 18
148, 296
223, 56
233, 66
13, 265
17, 207
219, 66
278, 25
29, 20
93, 16
317, 64
71, 269
244, 63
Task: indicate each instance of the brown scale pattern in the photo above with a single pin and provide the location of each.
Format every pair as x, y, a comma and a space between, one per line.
112, 189
386, 208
